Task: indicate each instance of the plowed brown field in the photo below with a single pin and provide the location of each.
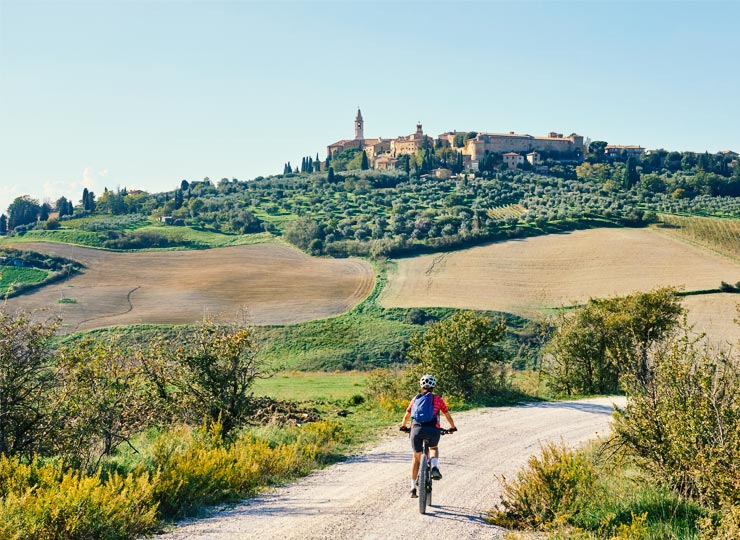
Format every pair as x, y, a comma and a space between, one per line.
274, 283
528, 276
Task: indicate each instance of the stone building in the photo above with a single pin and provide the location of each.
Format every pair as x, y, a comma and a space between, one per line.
372, 147
512, 159
411, 144
500, 143
616, 150
386, 162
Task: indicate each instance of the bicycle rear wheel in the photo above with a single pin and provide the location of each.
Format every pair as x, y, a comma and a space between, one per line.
423, 479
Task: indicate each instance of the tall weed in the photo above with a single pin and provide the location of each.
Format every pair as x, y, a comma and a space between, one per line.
45, 501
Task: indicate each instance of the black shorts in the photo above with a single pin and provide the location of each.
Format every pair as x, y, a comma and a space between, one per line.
419, 433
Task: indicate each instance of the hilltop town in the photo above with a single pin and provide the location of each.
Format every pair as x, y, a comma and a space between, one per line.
512, 149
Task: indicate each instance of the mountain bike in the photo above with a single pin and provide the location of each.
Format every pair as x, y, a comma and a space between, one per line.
424, 478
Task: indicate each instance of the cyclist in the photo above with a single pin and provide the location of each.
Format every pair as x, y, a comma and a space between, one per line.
426, 429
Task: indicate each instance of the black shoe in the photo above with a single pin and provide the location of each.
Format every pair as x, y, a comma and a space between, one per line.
414, 495
436, 475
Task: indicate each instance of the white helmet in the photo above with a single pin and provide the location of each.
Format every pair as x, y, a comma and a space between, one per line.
427, 381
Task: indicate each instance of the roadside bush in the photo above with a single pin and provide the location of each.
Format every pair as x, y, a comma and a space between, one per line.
590, 494
683, 421
552, 487
393, 388
27, 377
725, 527
46, 501
104, 398
592, 348
213, 370
198, 467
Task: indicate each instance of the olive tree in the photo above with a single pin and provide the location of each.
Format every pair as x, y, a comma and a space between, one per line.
463, 352
594, 346
208, 375
27, 377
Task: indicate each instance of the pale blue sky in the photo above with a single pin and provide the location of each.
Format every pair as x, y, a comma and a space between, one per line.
144, 94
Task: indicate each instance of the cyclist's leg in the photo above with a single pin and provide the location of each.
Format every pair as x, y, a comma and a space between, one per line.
434, 453
417, 447
415, 465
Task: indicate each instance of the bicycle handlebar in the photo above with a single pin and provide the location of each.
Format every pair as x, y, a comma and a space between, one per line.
443, 431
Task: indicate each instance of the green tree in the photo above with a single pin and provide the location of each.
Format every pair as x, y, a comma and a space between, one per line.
27, 377
597, 150
364, 163
3, 224
61, 206
23, 211
302, 232
631, 176
178, 199
104, 398
463, 352
597, 344
217, 367
44, 211
330, 175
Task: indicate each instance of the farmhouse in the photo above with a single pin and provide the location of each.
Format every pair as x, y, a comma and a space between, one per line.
616, 150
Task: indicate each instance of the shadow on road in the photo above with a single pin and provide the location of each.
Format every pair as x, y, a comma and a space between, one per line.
592, 408
383, 457
458, 513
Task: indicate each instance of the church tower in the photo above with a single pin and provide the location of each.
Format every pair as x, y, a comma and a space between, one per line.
359, 124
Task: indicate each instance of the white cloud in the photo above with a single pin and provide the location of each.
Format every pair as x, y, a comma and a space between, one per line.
7, 194
92, 179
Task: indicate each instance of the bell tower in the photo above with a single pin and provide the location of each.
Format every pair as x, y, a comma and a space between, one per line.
359, 125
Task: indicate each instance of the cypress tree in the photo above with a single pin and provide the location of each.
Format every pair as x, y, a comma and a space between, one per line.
84, 199
3, 224
631, 176
364, 165
44, 213
330, 175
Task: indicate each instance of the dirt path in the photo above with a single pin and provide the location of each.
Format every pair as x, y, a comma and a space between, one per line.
367, 498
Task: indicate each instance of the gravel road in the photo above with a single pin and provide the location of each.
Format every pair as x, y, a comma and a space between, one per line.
367, 498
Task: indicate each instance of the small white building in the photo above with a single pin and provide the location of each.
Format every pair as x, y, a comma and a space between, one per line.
513, 160
533, 158
442, 173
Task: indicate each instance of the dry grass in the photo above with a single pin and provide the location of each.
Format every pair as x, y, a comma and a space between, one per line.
274, 283
715, 314
528, 277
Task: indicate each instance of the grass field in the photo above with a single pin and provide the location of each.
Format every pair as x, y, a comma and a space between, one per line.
275, 284
312, 385
717, 234
527, 277
188, 237
207, 239
13, 274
